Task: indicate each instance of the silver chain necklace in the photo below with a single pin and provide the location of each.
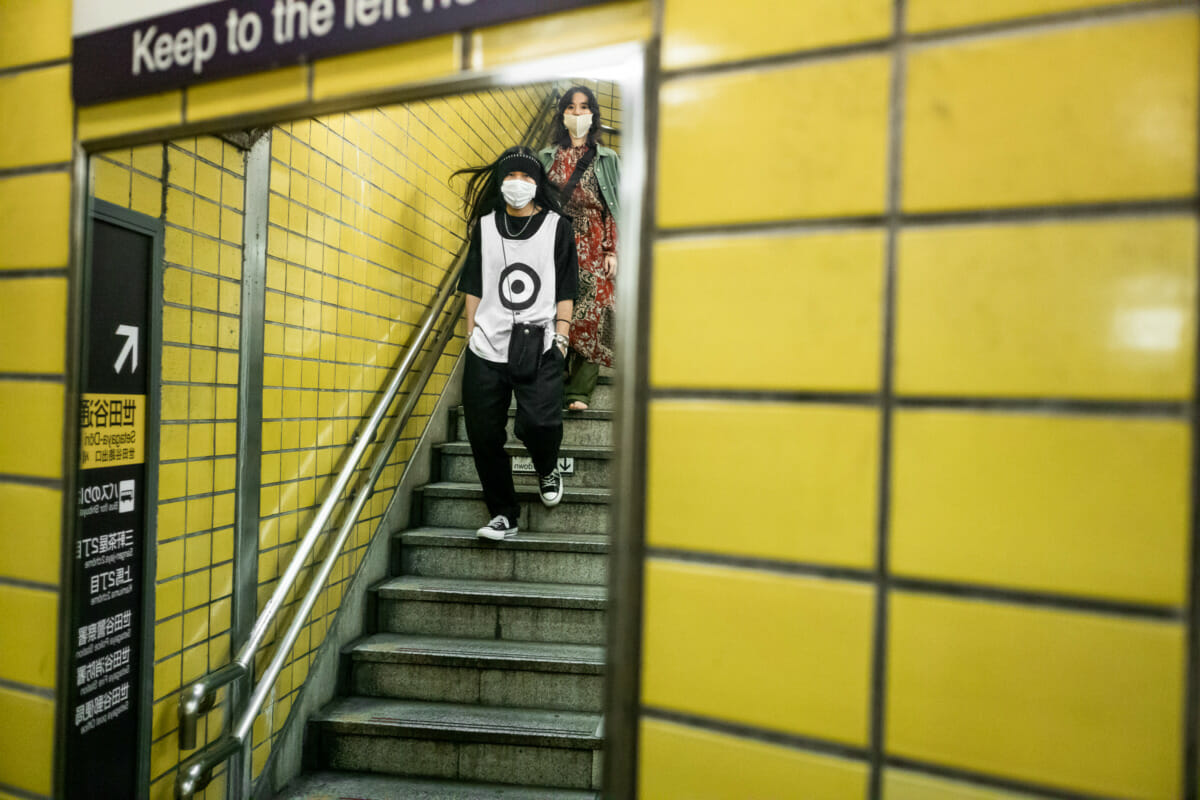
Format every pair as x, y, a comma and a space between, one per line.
512, 235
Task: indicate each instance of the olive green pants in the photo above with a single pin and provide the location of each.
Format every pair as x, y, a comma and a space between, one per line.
580, 379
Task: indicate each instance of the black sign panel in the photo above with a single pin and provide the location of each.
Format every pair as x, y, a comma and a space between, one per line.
106, 624
235, 37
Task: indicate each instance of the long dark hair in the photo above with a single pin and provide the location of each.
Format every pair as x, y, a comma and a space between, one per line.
483, 187
561, 137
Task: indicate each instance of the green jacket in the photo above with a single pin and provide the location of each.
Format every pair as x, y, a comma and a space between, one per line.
608, 173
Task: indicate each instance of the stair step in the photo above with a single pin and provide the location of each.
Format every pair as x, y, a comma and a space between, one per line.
475, 609
537, 557
468, 742
489, 653
593, 463
479, 671
603, 396
363, 786
525, 540
591, 427
522, 593
453, 504
583, 510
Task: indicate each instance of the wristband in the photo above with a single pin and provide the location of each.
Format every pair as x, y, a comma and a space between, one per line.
561, 339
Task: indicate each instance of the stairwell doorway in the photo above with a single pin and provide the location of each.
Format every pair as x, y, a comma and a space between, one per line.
298, 254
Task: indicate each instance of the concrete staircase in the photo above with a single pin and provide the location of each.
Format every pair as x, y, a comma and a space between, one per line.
484, 678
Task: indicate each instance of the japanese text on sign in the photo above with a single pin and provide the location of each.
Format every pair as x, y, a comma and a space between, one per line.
111, 430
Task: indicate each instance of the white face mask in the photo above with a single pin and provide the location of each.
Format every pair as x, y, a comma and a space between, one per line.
517, 193
577, 124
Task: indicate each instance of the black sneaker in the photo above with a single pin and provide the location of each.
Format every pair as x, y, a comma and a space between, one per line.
499, 528
550, 487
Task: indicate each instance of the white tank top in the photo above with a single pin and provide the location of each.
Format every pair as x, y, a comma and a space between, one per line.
519, 280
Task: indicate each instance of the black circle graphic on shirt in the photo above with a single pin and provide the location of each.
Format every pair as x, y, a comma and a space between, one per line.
515, 293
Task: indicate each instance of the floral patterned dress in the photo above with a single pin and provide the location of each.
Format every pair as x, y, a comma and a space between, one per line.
595, 234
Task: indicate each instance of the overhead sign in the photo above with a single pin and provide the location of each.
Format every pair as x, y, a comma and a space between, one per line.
145, 46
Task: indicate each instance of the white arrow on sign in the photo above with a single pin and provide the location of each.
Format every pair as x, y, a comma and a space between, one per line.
130, 332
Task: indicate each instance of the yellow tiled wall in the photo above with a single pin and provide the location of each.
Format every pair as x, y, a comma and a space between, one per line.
34, 285
988, 482
364, 223
948, 489
202, 181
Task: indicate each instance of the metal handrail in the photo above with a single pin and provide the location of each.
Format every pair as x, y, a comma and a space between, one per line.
199, 697
196, 772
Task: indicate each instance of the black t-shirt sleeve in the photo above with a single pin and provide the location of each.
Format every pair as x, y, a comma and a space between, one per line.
566, 261
471, 280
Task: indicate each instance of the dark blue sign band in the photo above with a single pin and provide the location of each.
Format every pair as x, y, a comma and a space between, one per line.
237, 37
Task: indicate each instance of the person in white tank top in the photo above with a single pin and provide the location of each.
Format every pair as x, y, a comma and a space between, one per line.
521, 267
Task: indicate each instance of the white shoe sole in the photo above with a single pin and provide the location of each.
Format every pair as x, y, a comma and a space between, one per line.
495, 536
551, 503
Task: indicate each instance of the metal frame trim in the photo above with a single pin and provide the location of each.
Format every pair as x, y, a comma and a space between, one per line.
256, 202
622, 705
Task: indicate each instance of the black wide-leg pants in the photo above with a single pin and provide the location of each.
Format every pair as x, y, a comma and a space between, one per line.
487, 390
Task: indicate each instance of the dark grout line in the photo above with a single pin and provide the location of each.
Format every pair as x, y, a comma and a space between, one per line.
1064, 406
927, 586
1082, 212
948, 36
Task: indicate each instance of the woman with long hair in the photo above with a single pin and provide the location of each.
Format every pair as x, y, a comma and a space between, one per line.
588, 174
519, 279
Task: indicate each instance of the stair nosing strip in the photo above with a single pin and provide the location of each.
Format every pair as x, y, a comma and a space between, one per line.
400, 728
527, 663
459, 596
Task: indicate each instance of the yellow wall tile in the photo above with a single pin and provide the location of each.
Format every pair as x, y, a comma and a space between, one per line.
31, 429
1081, 701
110, 182
1063, 309
250, 93
41, 99
126, 116
388, 66
28, 634
676, 761
696, 33
26, 741
925, 15
1089, 113
899, 785
33, 32
583, 29
34, 214
832, 115
32, 334
146, 196
785, 653
30, 508
1082, 506
813, 503
827, 338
